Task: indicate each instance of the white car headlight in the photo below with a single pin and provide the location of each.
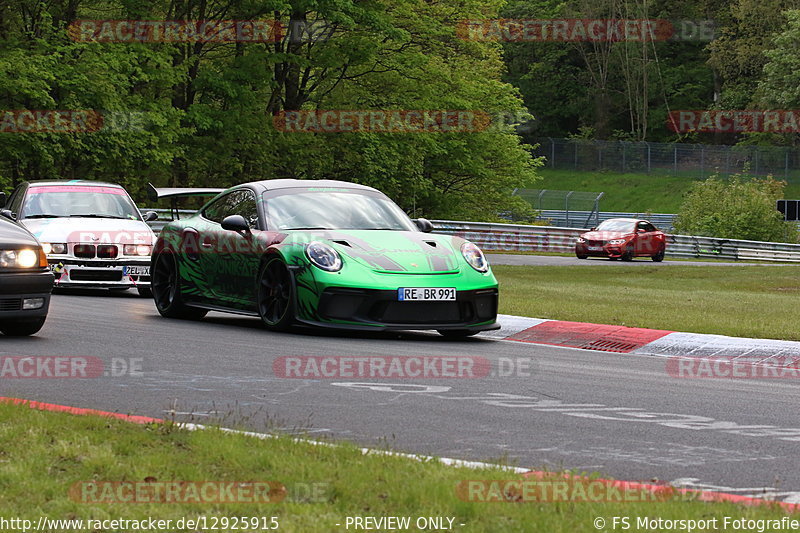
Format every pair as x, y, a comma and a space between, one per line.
323, 256
137, 249
617, 241
474, 257
54, 247
581, 240
26, 258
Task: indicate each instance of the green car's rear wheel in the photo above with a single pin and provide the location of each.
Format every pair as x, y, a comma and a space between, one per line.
165, 286
275, 295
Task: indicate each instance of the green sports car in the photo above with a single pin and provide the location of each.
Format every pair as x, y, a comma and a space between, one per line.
322, 253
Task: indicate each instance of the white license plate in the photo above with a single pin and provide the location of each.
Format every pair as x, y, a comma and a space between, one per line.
139, 270
425, 294
594, 248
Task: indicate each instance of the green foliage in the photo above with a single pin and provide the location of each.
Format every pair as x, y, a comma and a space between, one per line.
617, 89
205, 110
739, 208
738, 54
780, 86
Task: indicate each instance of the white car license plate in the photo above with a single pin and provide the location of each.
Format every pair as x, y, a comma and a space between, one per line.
594, 248
139, 270
425, 294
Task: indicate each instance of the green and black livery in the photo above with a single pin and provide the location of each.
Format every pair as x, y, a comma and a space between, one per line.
322, 253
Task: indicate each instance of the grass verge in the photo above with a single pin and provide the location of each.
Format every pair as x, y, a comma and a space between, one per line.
44, 454
635, 193
756, 302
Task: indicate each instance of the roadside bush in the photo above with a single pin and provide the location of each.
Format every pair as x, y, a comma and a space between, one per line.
742, 207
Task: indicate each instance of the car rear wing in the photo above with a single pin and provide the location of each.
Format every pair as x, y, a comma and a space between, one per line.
173, 193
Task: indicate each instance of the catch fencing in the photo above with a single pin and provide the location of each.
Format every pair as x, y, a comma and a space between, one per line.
696, 160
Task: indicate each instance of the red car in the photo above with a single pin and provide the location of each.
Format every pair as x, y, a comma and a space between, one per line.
622, 238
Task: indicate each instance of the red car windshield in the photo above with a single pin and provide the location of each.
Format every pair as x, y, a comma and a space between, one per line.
623, 226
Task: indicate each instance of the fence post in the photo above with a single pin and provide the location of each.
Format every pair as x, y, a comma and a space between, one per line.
728, 161
599, 155
575, 144
786, 164
566, 207
552, 153
675, 159
597, 209
702, 161
756, 157
540, 198
648, 158
623, 156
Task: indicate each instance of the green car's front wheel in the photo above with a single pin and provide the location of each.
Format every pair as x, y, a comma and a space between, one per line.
275, 295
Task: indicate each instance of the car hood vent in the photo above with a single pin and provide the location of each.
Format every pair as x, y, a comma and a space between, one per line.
396, 252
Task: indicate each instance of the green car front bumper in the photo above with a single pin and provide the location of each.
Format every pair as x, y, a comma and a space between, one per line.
371, 301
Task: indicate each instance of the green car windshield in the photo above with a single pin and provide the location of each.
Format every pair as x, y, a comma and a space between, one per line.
326, 209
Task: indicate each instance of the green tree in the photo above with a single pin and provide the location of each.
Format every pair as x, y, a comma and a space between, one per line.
208, 107
742, 207
609, 86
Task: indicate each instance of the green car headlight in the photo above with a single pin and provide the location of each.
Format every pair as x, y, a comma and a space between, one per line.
474, 257
323, 256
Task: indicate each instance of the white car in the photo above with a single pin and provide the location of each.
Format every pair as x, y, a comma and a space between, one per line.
92, 232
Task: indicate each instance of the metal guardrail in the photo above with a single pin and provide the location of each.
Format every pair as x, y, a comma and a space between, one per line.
493, 237
579, 219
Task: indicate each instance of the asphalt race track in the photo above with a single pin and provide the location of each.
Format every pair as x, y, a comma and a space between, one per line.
560, 260
621, 415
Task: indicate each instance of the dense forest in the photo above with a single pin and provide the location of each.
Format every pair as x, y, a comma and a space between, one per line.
625, 89
203, 111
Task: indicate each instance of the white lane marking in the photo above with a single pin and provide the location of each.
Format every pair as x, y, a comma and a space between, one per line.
477, 465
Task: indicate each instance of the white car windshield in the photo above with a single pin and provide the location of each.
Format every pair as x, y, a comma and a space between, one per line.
326, 209
56, 201
625, 226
